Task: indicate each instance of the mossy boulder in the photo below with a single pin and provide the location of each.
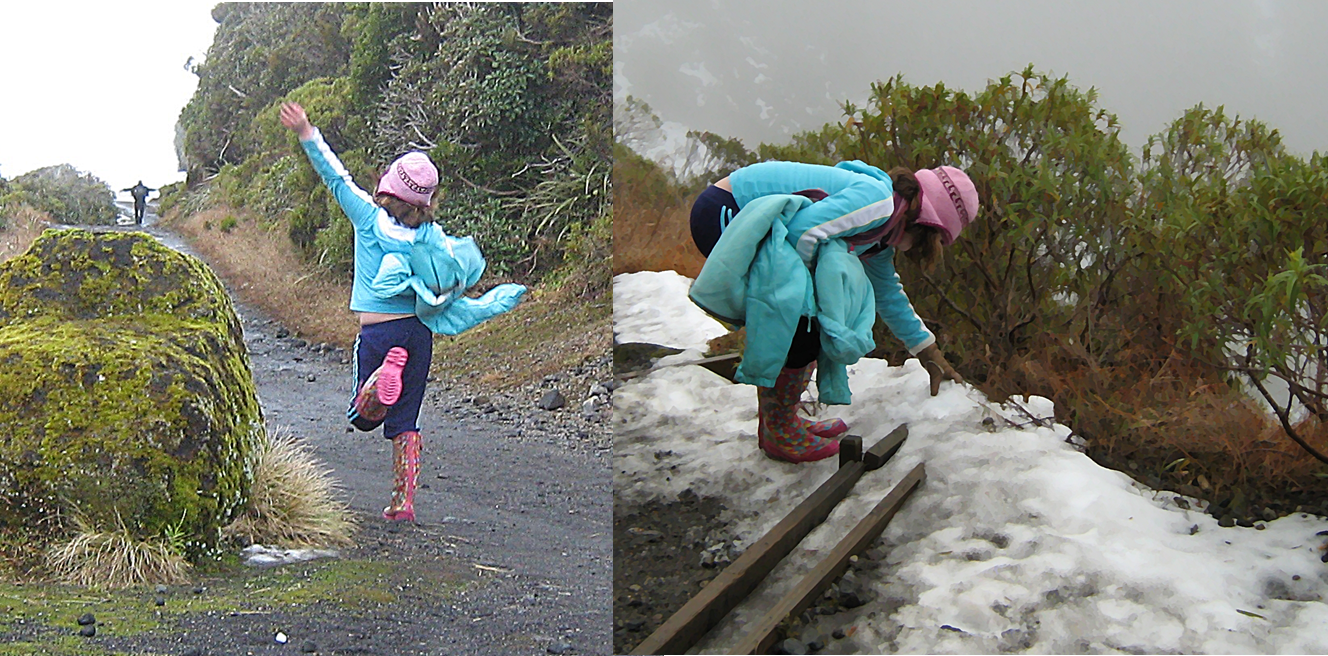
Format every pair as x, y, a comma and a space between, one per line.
126, 395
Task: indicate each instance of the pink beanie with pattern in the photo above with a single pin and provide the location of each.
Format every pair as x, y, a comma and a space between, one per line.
412, 178
949, 200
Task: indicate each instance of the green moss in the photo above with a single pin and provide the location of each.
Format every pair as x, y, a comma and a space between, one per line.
351, 584
125, 390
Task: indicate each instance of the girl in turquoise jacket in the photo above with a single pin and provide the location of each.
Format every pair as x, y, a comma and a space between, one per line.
409, 277
826, 213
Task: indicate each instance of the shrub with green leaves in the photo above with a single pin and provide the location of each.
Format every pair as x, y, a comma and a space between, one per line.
64, 192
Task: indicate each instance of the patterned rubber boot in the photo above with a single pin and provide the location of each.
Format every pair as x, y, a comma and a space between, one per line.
383, 387
826, 427
406, 474
782, 434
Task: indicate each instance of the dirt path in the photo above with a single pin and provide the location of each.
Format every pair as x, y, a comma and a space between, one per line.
512, 552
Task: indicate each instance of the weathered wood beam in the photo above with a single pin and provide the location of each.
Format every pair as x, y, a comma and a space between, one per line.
703, 611
814, 583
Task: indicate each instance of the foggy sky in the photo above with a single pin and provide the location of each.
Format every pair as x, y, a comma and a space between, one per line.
762, 70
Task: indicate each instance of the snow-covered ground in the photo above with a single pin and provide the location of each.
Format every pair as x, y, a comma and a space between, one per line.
1014, 533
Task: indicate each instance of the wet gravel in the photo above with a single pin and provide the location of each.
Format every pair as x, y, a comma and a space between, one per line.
513, 509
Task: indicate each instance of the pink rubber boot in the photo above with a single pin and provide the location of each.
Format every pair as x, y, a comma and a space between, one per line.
383, 387
406, 474
782, 435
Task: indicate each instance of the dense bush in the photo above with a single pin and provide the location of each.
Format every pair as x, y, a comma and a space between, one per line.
1142, 293
511, 101
67, 194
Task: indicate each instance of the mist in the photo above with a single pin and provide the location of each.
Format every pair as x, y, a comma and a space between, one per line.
764, 70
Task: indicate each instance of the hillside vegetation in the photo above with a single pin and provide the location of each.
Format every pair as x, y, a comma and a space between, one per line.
1150, 295
61, 192
510, 100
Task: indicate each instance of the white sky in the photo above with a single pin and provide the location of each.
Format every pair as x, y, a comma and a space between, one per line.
98, 85
1014, 535
760, 70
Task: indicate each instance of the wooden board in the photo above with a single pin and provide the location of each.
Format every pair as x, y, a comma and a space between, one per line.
882, 451
703, 611
762, 636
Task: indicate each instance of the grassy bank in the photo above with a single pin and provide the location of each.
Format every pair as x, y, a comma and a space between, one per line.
550, 331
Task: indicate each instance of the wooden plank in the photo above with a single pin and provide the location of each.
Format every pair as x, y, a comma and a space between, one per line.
703, 611
715, 358
815, 583
882, 451
850, 449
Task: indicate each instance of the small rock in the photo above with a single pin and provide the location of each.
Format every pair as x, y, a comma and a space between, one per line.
86, 619
1244, 522
552, 400
1227, 522
280, 638
88, 631
634, 625
813, 638
1269, 514
159, 600
308, 647
838, 634
560, 648
161, 589
1182, 503
312, 378
198, 589
791, 646
282, 333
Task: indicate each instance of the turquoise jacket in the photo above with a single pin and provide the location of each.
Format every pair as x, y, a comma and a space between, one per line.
755, 277
400, 270
438, 270
760, 271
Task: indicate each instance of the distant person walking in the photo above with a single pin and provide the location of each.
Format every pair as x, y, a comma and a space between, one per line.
806, 262
410, 277
140, 193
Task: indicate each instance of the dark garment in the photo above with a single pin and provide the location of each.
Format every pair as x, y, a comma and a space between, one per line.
711, 213
371, 347
806, 345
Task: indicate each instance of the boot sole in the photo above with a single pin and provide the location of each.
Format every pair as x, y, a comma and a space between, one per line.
389, 375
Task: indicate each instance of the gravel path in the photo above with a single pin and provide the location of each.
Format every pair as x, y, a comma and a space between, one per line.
514, 511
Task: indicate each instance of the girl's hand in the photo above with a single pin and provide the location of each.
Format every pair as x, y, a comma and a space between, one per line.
294, 118
937, 368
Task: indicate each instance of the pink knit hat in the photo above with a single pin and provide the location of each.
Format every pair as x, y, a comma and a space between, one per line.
949, 200
411, 178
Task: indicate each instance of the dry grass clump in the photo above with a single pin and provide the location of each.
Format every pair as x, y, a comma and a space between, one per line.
262, 267
654, 237
22, 226
294, 501
116, 559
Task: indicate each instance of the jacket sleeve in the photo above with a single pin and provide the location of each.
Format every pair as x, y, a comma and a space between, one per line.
854, 208
358, 205
893, 306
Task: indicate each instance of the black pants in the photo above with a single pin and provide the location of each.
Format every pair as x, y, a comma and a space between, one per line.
711, 213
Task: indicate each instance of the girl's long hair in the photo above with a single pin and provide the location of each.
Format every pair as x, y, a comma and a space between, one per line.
411, 216
927, 249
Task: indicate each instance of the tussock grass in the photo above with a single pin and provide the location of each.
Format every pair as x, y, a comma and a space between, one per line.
654, 234
263, 268
115, 559
294, 500
22, 225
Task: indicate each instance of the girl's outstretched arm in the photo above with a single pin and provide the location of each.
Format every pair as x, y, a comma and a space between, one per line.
358, 205
293, 117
